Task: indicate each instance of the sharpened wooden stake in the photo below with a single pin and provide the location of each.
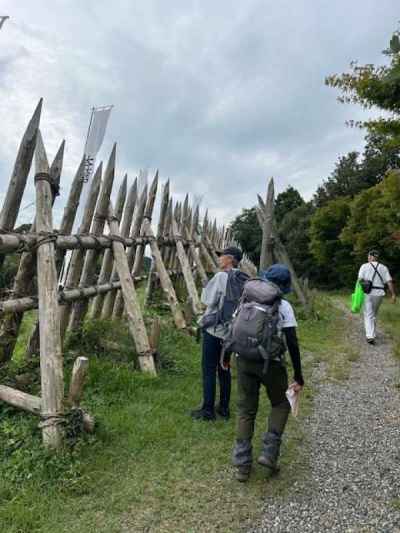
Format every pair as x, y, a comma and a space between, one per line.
66, 226
107, 264
99, 219
135, 232
51, 361
133, 312
23, 282
187, 272
267, 258
126, 224
148, 213
19, 176
165, 279
77, 258
79, 374
160, 232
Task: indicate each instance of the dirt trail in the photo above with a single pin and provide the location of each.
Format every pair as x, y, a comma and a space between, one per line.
355, 451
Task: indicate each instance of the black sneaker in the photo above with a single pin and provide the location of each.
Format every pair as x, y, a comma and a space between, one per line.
371, 341
202, 414
223, 412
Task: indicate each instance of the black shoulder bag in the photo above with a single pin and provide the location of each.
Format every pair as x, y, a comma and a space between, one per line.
367, 285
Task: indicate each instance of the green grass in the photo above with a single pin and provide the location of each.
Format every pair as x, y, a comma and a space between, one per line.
148, 467
328, 338
389, 316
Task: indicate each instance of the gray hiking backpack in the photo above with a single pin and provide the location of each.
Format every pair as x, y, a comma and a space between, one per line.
254, 333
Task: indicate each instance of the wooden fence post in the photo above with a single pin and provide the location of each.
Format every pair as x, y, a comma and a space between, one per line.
77, 258
126, 224
160, 232
266, 258
23, 282
148, 213
107, 264
51, 361
19, 176
135, 232
100, 216
132, 307
66, 226
165, 280
186, 270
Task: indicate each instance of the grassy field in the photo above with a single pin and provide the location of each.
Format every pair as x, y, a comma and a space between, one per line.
149, 467
389, 315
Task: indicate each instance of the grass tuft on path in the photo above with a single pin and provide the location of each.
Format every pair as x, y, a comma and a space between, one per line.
148, 467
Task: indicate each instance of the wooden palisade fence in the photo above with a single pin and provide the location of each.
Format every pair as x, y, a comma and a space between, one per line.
115, 237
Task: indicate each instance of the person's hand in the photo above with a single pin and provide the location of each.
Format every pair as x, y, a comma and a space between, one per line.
296, 386
225, 361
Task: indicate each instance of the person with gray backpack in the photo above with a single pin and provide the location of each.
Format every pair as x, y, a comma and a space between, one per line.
263, 327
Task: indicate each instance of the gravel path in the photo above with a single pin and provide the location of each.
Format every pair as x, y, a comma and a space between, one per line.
355, 453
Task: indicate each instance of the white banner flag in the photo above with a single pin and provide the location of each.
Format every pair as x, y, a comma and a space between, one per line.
95, 137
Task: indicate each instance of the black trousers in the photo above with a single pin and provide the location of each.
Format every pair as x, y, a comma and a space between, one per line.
212, 347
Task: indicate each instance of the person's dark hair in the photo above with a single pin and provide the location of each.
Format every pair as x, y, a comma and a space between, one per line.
374, 253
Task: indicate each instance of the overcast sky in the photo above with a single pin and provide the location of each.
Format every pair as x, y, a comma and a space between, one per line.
217, 95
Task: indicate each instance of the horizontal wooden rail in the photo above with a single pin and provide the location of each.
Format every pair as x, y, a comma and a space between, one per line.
20, 399
28, 242
20, 305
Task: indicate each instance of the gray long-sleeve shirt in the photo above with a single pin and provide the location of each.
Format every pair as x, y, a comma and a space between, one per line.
212, 296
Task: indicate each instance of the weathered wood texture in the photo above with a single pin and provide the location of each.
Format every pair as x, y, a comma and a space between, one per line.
132, 307
126, 224
89, 267
187, 272
75, 264
51, 362
78, 378
19, 176
266, 258
66, 226
165, 279
107, 264
160, 232
20, 399
279, 252
148, 213
135, 232
23, 282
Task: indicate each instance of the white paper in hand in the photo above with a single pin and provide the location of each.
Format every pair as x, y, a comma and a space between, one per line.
294, 400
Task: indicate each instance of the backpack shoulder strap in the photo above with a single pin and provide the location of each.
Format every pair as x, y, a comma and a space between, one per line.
377, 272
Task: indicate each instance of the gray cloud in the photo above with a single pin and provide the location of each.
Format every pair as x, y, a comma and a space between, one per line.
217, 96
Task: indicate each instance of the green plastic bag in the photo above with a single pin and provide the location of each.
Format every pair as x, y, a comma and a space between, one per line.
357, 298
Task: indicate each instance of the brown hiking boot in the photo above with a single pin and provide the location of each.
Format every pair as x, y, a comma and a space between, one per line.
243, 473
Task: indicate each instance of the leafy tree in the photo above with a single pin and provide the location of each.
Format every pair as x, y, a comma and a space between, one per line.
344, 180
294, 232
374, 222
248, 234
354, 172
333, 257
286, 201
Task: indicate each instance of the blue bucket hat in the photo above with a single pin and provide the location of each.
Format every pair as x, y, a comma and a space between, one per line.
280, 275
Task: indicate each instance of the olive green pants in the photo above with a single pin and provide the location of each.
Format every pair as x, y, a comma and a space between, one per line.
250, 377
